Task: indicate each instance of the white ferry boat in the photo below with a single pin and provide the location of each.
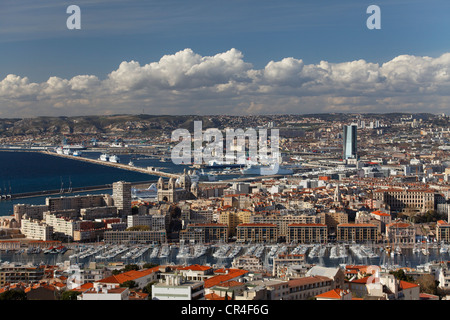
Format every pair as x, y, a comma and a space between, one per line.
104, 157
114, 158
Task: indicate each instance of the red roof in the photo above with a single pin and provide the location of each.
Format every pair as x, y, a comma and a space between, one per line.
407, 285
333, 294
195, 267
383, 214
228, 274
213, 296
129, 275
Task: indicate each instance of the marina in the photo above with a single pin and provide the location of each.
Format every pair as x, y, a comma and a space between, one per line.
223, 254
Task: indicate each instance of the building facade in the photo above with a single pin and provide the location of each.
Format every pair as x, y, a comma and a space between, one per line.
257, 232
357, 232
307, 233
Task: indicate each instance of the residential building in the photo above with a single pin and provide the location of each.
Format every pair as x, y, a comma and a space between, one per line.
307, 233
35, 229
257, 233
400, 233
158, 236
205, 233
174, 287
122, 197
358, 232
443, 231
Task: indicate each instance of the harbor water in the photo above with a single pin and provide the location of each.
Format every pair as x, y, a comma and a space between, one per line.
174, 255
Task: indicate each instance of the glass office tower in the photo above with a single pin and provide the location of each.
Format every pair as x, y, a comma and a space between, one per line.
350, 142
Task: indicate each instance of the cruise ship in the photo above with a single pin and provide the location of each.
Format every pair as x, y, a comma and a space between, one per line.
114, 158
215, 165
104, 157
149, 193
264, 170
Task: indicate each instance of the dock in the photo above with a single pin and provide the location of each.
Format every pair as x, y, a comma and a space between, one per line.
115, 165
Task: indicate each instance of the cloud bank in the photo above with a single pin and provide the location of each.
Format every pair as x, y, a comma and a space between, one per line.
188, 83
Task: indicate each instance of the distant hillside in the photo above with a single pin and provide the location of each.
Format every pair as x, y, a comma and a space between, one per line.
151, 124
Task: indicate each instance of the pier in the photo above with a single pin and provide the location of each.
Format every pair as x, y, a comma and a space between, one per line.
33, 194
115, 165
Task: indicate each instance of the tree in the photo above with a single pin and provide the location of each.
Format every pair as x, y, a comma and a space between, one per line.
427, 284
148, 288
129, 284
149, 265
70, 295
401, 275
128, 267
13, 295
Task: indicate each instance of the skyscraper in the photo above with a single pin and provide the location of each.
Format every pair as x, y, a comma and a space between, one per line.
350, 138
122, 197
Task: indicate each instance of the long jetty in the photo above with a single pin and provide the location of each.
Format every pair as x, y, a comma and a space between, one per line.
41, 193
115, 165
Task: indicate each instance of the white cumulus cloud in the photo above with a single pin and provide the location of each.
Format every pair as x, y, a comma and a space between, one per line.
189, 83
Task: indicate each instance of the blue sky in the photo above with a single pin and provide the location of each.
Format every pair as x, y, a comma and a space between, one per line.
36, 44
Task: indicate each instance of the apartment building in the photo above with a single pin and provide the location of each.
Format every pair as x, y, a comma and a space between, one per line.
15, 274
332, 219
205, 233
307, 233
158, 236
308, 287
122, 197
37, 230
78, 202
257, 233
233, 218
28, 211
154, 222
174, 287
62, 227
283, 221
443, 231
93, 213
357, 232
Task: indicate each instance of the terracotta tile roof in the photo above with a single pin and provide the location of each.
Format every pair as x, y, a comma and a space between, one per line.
379, 213
356, 225
84, 287
307, 225
407, 285
333, 294
195, 267
129, 275
213, 296
219, 279
399, 225
257, 225
362, 280
137, 295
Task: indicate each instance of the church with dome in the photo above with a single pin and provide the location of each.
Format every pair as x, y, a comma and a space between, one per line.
176, 190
